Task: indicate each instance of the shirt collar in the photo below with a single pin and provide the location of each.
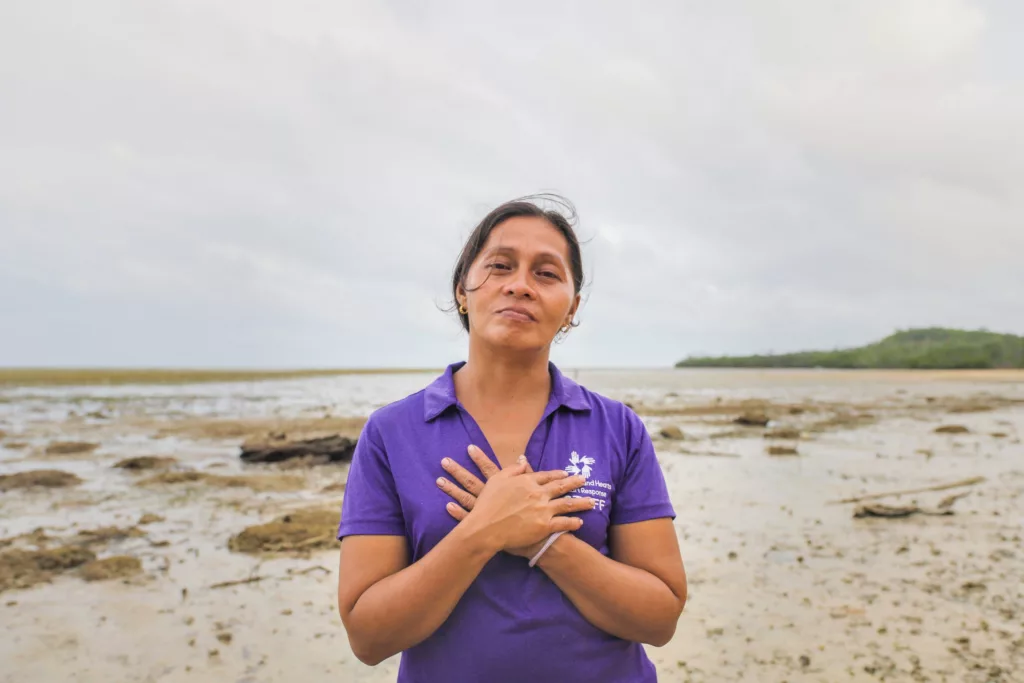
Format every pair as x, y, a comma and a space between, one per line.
439, 396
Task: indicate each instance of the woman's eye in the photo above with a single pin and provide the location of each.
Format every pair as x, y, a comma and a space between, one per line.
549, 274
499, 266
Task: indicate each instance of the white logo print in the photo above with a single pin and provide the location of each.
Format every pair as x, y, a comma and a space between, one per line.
598, 490
579, 465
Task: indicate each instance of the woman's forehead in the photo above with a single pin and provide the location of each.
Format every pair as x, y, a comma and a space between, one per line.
527, 236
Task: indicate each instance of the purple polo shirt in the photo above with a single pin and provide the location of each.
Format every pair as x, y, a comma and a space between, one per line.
513, 624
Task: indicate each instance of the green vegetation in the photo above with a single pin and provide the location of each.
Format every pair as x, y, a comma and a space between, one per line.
108, 376
933, 348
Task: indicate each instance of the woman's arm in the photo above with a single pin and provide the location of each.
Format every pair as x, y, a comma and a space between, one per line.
388, 605
636, 594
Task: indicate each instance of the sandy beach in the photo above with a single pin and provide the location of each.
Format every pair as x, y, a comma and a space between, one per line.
135, 545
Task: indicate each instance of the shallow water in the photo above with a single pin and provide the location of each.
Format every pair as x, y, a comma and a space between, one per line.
784, 584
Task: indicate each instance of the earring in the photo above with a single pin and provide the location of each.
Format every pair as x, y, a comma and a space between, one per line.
462, 309
565, 328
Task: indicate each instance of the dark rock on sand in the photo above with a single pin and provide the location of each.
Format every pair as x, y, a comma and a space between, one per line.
335, 448
753, 418
107, 534
782, 450
38, 478
782, 433
117, 567
146, 462
309, 529
269, 482
672, 433
26, 568
952, 429
70, 447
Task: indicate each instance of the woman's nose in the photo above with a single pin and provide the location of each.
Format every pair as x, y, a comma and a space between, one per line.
518, 285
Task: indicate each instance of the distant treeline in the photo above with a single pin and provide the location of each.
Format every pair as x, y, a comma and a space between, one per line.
932, 348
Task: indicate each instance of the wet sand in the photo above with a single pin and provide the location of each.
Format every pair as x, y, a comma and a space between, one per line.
785, 584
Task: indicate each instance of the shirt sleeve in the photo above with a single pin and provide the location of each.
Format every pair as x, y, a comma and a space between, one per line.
642, 493
371, 506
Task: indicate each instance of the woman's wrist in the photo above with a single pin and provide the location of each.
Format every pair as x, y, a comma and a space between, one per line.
552, 552
476, 539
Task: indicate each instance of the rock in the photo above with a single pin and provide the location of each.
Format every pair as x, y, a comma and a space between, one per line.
782, 433
753, 419
972, 408
999, 435
267, 482
782, 450
673, 433
309, 529
117, 567
146, 462
952, 429
335, 448
70, 447
25, 568
150, 518
38, 478
107, 534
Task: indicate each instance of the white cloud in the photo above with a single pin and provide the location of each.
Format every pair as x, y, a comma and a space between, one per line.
221, 182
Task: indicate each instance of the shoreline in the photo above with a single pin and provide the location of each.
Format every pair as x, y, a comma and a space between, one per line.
12, 378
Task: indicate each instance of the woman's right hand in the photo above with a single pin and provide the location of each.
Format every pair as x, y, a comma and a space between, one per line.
516, 508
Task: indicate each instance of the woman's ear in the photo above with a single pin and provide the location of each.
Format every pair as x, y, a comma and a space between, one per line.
574, 308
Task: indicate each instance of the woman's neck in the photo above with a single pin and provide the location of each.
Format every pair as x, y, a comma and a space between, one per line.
493, 377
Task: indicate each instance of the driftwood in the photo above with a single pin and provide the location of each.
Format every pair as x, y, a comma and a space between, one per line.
892, 511
327, 449
714, 454
239, 582
945, 507
938, 487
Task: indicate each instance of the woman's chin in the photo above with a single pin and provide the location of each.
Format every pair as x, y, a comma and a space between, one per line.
517, 340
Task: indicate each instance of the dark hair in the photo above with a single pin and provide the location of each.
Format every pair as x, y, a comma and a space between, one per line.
561, 218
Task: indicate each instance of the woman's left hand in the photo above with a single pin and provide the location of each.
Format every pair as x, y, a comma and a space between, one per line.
468, 482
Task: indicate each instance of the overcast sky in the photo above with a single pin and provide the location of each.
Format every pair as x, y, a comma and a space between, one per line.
266, 183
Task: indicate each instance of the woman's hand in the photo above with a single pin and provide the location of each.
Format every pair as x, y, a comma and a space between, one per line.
521, 508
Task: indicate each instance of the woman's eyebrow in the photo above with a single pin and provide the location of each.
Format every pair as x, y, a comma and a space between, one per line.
500, 251
549, 257
539, 257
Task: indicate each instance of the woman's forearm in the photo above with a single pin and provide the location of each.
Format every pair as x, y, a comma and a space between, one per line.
624, 601
405, 608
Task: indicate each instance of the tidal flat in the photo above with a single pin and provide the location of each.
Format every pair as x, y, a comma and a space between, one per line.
136, 545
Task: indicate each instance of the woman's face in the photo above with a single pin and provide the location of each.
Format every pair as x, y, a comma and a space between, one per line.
520, 285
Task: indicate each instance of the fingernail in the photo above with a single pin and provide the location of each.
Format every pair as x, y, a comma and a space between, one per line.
446, 462
522, 458
470, 448
580, 519
593, 502
450, 505
440, 481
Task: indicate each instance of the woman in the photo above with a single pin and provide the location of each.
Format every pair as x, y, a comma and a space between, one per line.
505, 523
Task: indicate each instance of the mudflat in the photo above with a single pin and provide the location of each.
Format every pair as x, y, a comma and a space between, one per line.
136, 546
